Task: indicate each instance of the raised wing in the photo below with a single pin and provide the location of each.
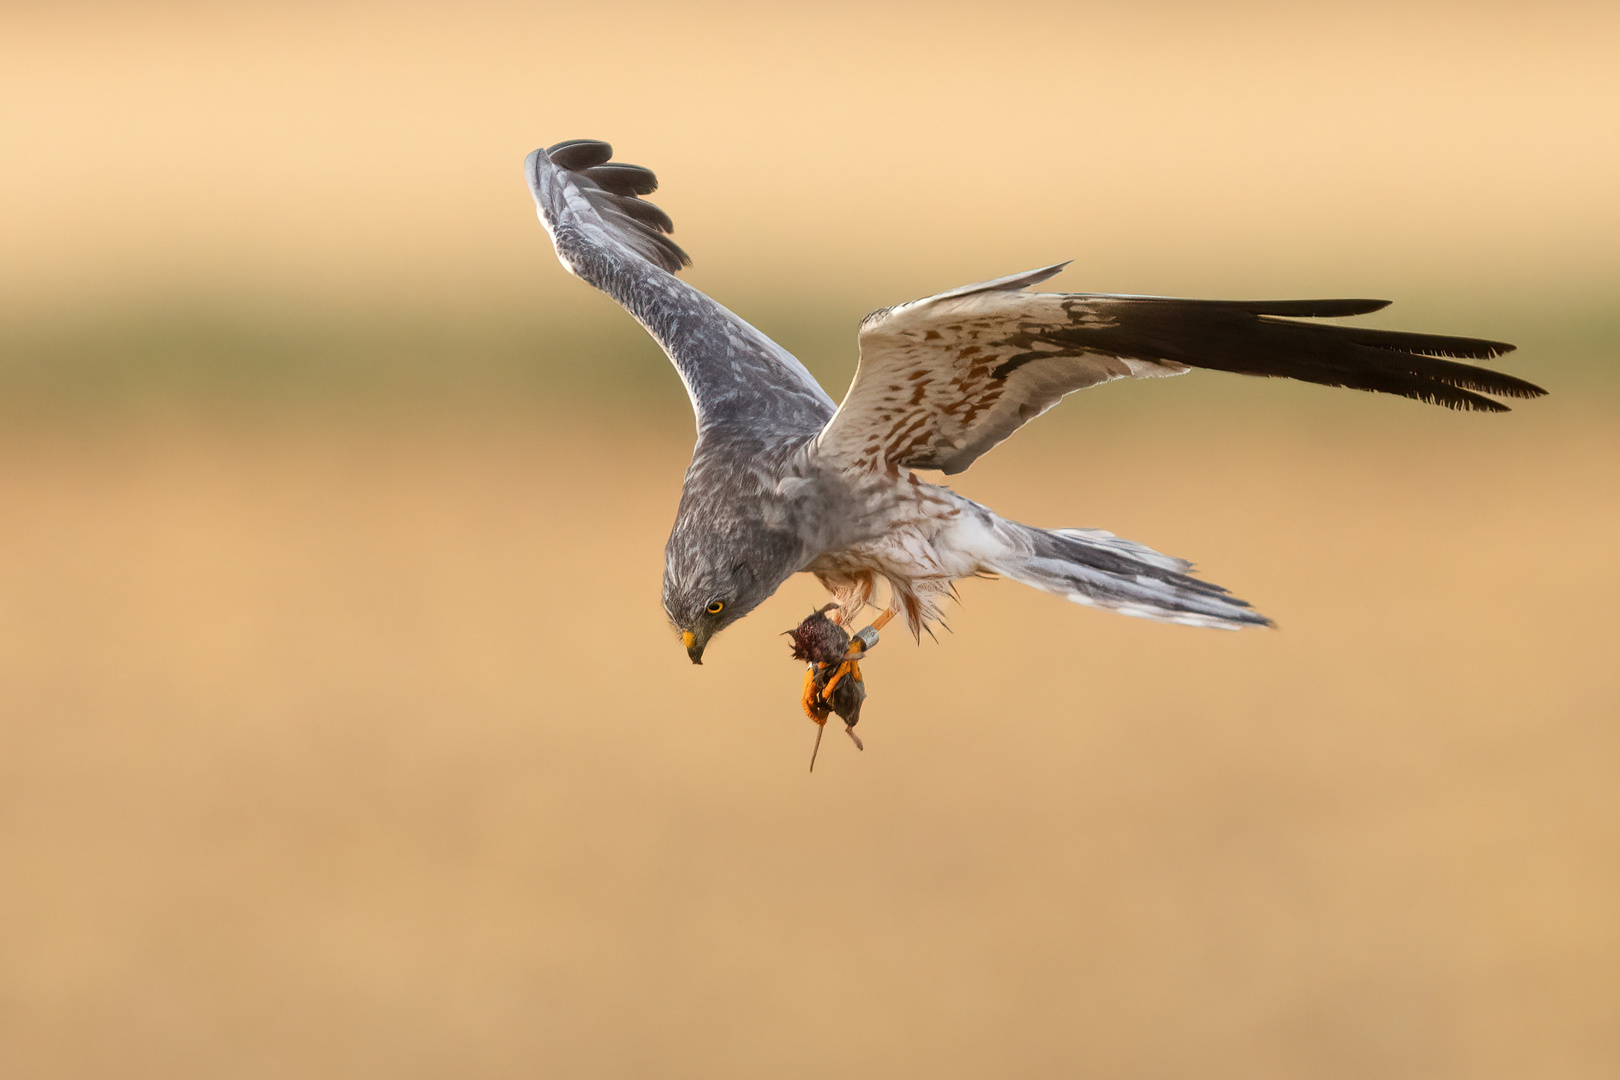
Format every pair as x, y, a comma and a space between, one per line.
942, 380
606, 234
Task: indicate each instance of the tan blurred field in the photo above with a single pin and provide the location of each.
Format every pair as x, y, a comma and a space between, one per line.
369, 754
341, 734
366, 154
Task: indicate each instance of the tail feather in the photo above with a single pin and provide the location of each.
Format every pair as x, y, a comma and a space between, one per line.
1090, 566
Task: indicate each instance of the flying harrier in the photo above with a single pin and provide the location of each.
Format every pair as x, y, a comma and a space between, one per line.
784, 481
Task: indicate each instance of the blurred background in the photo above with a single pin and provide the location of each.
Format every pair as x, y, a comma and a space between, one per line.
341, 732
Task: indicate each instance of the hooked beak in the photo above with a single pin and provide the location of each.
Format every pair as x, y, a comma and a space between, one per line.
694, 647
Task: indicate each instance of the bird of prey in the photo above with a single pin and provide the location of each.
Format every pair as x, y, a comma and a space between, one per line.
782, 480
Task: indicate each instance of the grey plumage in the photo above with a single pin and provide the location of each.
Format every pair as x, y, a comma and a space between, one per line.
782, 482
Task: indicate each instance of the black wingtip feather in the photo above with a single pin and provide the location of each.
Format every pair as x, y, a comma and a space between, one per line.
1425, 388
1313, 309
576, 155
622, 179
1424, 344
1264, 338
646, 213
613, 189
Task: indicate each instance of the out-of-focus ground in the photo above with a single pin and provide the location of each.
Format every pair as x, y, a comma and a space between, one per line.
341, 733
363, 157
368, 753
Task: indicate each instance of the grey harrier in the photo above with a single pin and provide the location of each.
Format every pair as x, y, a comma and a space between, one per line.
783, 480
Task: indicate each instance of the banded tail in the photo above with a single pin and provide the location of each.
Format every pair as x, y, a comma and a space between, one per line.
1091, 566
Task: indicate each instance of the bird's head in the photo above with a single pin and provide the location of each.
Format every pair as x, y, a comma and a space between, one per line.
714, 576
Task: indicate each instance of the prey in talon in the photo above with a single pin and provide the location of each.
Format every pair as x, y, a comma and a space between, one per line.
833, 683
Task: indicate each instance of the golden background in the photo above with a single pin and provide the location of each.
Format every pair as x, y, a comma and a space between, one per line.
341, 733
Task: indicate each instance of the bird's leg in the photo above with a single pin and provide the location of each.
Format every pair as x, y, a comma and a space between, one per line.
866, 639
877, 624
845, 668
821, 726
850, 595
863, 642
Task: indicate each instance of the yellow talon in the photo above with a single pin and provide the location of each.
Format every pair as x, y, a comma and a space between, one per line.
815, 708
843, 669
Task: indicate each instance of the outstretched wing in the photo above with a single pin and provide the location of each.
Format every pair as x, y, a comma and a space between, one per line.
606, 234
942, 380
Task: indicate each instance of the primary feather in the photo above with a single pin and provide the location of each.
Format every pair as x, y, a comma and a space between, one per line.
943, 379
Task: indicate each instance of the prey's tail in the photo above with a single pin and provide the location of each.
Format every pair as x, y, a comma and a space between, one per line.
1090, 566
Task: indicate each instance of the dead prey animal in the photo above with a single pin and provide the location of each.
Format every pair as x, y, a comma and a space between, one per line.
833, 683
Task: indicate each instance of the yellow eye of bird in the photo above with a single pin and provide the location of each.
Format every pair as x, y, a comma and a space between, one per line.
716, 607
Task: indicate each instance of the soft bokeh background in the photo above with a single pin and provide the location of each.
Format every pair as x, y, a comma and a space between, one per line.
340, 730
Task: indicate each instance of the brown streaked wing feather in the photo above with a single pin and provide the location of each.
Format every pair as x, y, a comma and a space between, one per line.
943, 379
